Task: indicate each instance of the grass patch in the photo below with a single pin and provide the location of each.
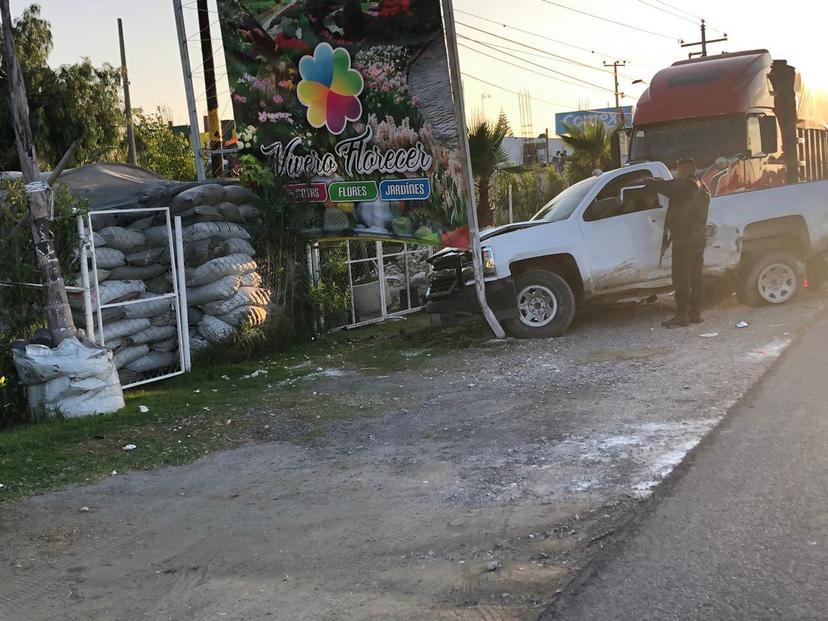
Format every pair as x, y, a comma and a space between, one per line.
188, 415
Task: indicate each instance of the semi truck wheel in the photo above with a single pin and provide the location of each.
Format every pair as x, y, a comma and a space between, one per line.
772, 278
545, 303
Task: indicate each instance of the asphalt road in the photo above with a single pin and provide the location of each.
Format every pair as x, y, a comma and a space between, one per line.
742, 532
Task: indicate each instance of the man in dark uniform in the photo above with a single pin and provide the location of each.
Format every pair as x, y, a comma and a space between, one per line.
686, 225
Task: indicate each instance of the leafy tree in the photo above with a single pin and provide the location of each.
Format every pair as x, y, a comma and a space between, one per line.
503, 121
591, 149
487, 158
74, 102
161, 150
531, 190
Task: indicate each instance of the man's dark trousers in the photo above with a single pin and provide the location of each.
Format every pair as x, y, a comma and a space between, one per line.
688, 264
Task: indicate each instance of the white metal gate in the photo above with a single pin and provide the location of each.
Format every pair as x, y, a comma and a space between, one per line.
94, 312
399, 266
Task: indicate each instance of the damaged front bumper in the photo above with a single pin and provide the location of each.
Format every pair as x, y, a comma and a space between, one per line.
451, 288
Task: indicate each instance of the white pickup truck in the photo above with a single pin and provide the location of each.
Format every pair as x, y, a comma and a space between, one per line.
601, 240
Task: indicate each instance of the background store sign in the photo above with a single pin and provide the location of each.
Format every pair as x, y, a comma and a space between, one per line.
350, 103
608, 116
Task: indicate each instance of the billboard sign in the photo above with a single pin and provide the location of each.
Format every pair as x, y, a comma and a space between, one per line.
350, 103
608, 116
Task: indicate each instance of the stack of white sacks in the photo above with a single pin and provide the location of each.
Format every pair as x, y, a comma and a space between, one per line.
224, 292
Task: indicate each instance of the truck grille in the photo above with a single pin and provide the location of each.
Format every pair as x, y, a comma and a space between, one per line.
450, 270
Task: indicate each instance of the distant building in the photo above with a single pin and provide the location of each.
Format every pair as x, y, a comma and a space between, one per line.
526, 151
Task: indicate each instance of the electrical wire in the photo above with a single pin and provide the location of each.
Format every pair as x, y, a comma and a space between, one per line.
538, 99
544, 37
694, 16
669, 12
570, 79
612, 21
536, 49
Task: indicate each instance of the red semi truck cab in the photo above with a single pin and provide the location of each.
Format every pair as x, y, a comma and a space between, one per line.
747, 120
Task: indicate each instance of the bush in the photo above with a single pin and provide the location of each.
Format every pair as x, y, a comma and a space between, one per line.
21, 307
530, 191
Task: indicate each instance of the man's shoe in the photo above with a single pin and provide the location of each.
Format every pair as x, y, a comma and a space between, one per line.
678, 321
695, 318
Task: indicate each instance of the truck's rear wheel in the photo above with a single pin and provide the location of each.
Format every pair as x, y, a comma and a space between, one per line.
773, 278
545, 303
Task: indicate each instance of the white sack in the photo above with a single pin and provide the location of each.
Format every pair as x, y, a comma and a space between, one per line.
77, 378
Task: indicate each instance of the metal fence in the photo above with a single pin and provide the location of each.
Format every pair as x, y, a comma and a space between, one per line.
385, 279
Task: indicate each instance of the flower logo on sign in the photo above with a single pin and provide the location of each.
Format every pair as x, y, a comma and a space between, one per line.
330, 88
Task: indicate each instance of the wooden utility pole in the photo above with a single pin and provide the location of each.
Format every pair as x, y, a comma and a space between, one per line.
213, 121
58, 313
131, 157
703, 43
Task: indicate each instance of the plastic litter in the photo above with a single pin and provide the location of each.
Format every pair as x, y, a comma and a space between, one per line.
143, 409
129, 447
742, 324
709, 335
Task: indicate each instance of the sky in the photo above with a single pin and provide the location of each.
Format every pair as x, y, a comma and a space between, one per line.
581, 44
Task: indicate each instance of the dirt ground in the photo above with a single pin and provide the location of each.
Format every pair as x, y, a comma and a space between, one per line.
493, 475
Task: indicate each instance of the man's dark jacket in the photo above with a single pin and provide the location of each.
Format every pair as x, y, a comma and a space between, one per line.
686, 217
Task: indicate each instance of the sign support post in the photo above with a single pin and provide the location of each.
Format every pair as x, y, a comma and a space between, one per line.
468, 181
195, 135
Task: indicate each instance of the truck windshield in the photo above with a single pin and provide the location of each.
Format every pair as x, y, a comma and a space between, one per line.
702, 139
562, 206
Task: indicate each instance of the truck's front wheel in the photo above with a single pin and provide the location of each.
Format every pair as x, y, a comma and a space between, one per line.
545, 304
773, 278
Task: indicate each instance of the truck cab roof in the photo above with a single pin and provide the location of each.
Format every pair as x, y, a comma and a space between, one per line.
704, 87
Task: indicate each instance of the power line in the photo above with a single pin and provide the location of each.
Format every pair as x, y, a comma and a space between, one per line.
565, 75
509, 90
680, 10
669, 12
544, 37
612, 21
542, 54
692, 18
538, 99
536, 49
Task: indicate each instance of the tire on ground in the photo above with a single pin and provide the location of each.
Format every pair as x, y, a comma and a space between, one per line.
564, 297
748, 290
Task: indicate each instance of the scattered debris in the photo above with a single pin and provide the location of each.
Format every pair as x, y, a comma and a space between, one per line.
84, 509
602, 536
225, 377
143, 409
709, 335
129, 447
492, 566
114, 472
255, 374
2, 486
742, 324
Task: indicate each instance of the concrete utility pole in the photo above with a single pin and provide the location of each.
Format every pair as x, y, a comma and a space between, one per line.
213, 121
195, 135
58, 313
468, 181
704, 41
131, 156
620, 121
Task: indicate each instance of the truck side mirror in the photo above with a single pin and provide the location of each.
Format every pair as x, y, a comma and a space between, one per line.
768, 132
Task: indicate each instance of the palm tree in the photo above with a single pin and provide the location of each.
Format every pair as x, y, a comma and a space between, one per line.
591, 146
487, 158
